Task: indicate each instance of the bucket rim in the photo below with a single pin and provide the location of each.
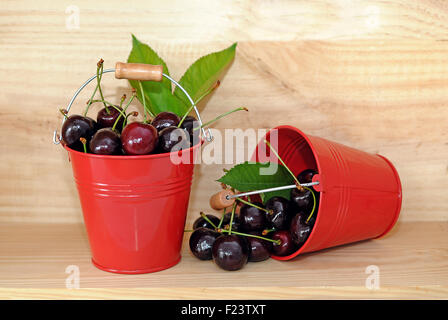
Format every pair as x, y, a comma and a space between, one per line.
316, 159
130, 157
400, 203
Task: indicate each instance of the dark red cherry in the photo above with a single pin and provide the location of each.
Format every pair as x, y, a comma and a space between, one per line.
93, 124
281, 213
286, 246
201, 243
302, 199
105, 141
107, 119
173, 139
235, 221
202, 223
76, 127
299, 229
259, 249
164, 120
188, 125
251, 218
139, 138
306, 176
230, 252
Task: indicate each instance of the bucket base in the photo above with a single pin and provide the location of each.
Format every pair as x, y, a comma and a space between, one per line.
136, 271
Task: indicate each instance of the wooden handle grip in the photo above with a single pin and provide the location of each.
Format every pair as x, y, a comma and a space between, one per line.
219, 201
138, 71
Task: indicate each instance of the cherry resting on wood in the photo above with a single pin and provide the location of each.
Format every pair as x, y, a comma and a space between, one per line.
202, 223
201, 243
259, 249
230, 252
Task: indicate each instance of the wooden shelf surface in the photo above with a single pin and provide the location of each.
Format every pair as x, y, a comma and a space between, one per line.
412, 261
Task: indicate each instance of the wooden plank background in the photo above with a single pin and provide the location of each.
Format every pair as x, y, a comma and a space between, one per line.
369, 74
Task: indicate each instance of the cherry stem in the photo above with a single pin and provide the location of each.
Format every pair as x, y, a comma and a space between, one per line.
221, 116
266, 231
185, 115
84, 142
210, 90
188, 230
122, 100
222, 218
64, 113
203, 215
98, 79
314, 204
250, 235
135, 113
299, 186
144, 103
89, 103
254, 205
123, 112
110, 104
113, 106
231, 218
283, 163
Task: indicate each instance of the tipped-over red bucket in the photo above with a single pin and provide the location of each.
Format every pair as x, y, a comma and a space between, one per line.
134, 208
360, 193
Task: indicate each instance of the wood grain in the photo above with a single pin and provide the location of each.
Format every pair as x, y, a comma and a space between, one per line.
229, 293
37, 255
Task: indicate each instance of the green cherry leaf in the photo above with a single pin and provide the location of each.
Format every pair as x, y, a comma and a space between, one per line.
204, 73
159, 98
143, 53
246, 177
158, 95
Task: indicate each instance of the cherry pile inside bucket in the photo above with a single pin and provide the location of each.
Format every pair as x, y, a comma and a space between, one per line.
249, 230
111, 134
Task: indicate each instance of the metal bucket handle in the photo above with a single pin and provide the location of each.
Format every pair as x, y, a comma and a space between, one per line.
136, 71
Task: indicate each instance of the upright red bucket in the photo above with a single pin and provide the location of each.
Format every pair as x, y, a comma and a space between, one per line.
134, 208
360, 193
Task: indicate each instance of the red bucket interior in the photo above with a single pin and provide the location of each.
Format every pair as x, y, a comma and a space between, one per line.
295, 150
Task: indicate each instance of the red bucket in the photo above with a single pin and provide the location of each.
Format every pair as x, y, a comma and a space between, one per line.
360, 193
134, 208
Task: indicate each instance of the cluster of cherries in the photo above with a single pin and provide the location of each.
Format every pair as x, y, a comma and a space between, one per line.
253, 232
109, 136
